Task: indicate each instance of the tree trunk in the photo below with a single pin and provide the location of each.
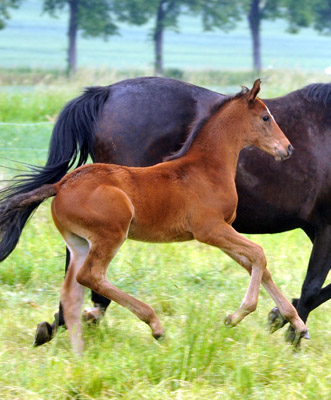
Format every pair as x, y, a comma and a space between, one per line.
254, 20
72, 34
158, 38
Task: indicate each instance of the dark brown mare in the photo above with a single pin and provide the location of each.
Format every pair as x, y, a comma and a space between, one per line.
191, 196
139, 121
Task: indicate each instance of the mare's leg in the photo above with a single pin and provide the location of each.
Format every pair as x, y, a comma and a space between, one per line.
311, 293
252, 258
46, 331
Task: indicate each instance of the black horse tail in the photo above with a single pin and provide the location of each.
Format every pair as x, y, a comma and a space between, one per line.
71, 143
73, 133
14, 212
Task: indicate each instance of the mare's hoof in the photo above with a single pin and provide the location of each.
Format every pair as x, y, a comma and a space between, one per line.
295, 338
275, 320
43, 334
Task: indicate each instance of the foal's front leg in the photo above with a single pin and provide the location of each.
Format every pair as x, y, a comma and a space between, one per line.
252, 258
248, 254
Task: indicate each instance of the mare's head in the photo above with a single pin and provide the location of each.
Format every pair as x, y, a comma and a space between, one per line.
263, 131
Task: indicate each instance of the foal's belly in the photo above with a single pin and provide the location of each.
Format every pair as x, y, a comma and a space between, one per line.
152, 235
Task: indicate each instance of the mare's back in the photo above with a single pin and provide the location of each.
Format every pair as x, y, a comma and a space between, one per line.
145, 119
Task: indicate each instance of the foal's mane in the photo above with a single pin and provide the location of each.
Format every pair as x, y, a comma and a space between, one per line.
319, 92
197, 127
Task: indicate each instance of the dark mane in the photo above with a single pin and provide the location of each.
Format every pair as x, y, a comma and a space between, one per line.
201, 123
319, 92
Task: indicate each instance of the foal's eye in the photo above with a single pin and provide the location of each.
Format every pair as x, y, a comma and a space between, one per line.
266, 118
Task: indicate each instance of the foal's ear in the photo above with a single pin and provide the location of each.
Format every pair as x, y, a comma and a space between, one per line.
254, 91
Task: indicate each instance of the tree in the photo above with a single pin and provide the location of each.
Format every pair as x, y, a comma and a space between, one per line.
4, 10
220, 13
165, 14
91, 17
256, 11
224, 14
297, 12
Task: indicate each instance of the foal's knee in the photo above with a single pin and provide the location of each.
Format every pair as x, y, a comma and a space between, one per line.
89, 280
259, 257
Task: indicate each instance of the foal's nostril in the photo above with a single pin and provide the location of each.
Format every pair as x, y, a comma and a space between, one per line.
290, 149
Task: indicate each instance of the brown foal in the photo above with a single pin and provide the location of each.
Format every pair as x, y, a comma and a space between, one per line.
190, 196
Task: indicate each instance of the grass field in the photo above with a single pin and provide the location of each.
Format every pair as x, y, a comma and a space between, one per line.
191, 286
45, 42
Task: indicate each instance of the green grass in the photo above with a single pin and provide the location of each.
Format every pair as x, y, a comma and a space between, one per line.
28, 96
191, 286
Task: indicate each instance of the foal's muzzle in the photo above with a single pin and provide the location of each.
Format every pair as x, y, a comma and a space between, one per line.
285, 155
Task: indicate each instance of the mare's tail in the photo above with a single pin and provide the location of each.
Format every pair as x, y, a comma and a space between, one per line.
15, 209
71, 143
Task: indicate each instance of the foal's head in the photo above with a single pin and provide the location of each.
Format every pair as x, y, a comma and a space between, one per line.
263, 131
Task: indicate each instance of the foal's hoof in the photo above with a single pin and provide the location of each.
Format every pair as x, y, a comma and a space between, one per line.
228, 321
295, 338
275, 320
158, 335
43, 334
92, 314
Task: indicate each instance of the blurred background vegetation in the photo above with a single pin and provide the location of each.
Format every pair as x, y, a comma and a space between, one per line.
165, 36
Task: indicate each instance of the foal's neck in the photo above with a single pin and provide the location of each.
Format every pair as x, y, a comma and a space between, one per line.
220, 140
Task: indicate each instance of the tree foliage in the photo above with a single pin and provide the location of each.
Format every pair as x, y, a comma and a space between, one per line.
322, 16
5, 5
220, 14
298, 13
94, 17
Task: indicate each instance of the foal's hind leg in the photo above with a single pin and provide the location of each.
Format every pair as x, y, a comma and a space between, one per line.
72, 293
104, 246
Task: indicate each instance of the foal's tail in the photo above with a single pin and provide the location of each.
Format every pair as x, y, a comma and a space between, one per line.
71, 143
15, 210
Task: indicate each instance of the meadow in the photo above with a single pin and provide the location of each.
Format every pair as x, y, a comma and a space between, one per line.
191, 286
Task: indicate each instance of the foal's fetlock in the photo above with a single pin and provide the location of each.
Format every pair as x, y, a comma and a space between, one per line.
157, 329
275, 320
294, 337
232, 320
